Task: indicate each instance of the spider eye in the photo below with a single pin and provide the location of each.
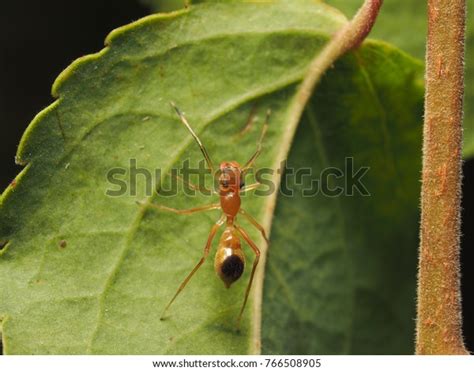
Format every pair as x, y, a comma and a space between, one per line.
225, 183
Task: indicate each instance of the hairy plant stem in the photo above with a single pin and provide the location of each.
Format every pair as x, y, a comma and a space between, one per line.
349, 37
439, 304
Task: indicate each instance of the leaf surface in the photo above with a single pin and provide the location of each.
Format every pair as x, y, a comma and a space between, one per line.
83, 272
341, 270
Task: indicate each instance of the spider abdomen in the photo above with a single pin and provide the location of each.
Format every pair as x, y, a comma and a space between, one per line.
230, 260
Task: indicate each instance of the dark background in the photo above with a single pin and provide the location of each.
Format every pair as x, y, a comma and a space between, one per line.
40, 39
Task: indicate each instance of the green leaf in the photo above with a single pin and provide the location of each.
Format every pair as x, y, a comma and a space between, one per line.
83, 272
404, 24
341, 270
